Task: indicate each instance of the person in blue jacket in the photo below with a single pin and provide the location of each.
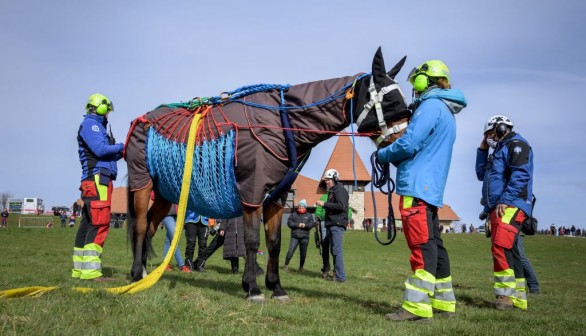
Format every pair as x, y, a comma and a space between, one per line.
507, 196
422, 155
98, 153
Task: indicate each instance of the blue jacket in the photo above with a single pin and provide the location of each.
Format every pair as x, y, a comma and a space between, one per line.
97, 151
423, 153
194, 217
506, 174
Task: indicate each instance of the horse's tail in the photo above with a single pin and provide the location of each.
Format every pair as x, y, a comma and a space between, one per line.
130, 218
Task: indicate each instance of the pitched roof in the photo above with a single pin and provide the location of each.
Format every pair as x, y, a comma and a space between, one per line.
308, 189
341, 160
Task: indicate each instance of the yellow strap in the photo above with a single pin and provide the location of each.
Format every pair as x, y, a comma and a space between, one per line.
154, 276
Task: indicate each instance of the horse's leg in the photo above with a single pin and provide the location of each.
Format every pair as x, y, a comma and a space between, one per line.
251, 218
137, 220
272, 215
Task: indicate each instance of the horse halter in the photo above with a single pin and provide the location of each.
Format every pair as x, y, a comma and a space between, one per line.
376, 99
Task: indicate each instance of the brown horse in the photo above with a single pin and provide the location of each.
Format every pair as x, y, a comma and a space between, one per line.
262, 157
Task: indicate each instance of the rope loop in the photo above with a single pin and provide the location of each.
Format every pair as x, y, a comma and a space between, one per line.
380, 178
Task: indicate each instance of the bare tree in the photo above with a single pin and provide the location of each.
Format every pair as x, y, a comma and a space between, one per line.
4, 197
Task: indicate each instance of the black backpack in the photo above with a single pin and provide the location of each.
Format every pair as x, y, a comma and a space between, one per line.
529, 225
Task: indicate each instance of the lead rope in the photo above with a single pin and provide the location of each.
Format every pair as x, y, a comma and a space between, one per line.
381, 175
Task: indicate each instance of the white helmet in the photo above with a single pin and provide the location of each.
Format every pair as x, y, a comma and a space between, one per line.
493, 121
331, 174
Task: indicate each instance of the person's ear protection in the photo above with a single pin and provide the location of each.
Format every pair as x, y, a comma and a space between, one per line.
335, 178
103, 108
421, 81
501, 129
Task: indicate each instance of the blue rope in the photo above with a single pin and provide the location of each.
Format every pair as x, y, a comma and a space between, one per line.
213, 190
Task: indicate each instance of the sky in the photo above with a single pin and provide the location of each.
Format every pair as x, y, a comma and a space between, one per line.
523, 59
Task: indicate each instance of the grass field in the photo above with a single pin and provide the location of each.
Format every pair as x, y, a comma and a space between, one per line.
212, 303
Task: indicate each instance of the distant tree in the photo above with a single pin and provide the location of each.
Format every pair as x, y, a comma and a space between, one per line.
4, 197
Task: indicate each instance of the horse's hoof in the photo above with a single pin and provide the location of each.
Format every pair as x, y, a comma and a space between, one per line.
257, 299
281, 299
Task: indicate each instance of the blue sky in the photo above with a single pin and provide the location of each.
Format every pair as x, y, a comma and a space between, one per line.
517, 58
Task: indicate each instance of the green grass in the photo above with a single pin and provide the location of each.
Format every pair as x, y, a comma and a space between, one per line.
212, 303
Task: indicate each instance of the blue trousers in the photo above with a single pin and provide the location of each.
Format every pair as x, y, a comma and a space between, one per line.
528, 272
336, 234
169, 223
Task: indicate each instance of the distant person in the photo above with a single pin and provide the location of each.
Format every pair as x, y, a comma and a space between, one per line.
72, 221
324, 244
169, 222
230, 234
63, 218
300, 222
552, 229
196, 233
422, 154
336, 219
5, 215
98, 153
507, 182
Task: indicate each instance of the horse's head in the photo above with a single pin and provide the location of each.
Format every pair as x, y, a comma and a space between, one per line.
379, 102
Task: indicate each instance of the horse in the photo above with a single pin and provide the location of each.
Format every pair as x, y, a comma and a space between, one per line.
262, 135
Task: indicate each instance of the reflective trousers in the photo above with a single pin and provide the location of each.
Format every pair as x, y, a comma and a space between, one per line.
430, 287
93, 228
509, 279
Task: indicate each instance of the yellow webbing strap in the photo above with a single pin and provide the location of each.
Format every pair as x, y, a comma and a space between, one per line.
156, 274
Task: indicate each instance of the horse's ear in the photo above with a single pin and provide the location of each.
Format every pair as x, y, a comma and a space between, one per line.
395, 70
378, 66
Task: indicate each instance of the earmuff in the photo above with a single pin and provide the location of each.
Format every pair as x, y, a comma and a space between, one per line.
421, 81
501, 129
103, 108
335, 178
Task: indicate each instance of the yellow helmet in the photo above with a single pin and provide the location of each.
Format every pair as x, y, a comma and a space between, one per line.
419, 77
100, 103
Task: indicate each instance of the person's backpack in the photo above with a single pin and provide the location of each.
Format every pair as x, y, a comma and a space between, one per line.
529, 225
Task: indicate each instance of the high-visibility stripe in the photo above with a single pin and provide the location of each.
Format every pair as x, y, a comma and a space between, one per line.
102, 189
91, 266
407, 202
443, 298
520, 298
445, 283
420, 284
77, 262
415, 296
77, 251
507, 279
90, 274
505, 283
508, 215
418, 289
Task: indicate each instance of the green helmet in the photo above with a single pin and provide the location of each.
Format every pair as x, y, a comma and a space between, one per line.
419, 77
100, 103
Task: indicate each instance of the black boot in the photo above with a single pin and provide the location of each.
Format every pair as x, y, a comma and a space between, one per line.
234, 265
189, 263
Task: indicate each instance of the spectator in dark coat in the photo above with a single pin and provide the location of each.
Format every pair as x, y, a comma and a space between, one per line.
230, 234
300, 223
